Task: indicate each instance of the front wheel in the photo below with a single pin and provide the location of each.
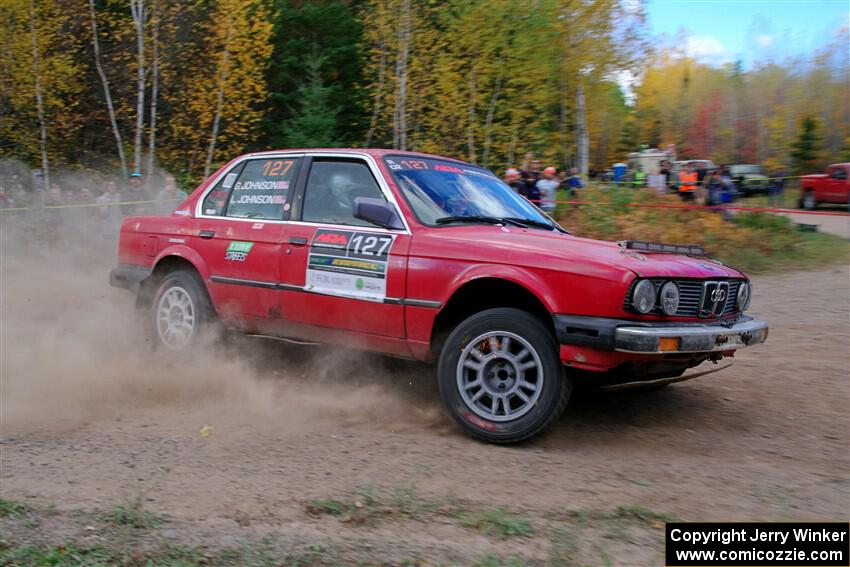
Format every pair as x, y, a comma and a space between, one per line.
500, 376
180, 312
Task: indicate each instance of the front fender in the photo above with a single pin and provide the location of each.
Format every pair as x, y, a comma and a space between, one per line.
534, 283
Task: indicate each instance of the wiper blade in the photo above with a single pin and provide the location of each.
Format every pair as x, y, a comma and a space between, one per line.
470, 219
530, 222
515, 221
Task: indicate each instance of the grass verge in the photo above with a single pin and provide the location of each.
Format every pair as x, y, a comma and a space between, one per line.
752, 242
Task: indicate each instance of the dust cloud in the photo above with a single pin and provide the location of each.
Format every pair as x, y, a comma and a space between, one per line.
73, 352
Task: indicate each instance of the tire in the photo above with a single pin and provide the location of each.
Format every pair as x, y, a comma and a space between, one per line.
521, 387
181, 313
809, 202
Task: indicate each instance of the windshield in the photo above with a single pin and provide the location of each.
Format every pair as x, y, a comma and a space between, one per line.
437, 189
745, 170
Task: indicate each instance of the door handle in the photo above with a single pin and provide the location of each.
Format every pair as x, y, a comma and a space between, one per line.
297, 240
206, 233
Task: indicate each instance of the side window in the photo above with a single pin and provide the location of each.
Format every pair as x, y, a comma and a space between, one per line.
839, 173
332, 187
216, 200
262, 188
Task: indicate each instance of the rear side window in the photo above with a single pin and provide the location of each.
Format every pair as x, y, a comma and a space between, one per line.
216, 200
261, 190
332, 187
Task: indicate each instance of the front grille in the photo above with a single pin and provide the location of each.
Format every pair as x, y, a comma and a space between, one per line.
690, 297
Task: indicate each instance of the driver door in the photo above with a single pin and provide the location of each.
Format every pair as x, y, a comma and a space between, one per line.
338, 271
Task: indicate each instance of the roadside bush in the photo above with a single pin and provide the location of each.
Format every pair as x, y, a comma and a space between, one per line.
753, 242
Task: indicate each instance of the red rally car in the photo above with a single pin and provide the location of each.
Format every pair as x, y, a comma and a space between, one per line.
433, 259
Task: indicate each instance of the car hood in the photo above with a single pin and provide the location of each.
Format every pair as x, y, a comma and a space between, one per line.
558, 251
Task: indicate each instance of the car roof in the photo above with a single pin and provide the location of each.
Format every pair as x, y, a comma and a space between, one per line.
374, 152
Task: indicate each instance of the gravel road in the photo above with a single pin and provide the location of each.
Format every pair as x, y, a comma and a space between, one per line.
92, 420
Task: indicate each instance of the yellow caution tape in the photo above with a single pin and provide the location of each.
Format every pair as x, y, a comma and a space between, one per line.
91, 205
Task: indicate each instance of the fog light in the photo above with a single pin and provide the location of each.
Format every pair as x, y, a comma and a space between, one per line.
643, 297
745, 295
670, 298
667, 344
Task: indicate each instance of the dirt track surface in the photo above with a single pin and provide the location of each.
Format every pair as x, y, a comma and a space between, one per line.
92, 420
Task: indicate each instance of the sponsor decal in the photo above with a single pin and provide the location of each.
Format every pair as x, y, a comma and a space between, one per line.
339, 239
349, 263
228, 181
177, 240
259, 200
257, 225
237, 251
260, 185
446, 167
182, 212
210, 211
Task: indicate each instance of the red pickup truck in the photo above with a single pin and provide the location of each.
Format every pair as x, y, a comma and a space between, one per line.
830, 187
432, 259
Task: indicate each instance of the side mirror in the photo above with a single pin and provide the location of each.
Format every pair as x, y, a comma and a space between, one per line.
377, 212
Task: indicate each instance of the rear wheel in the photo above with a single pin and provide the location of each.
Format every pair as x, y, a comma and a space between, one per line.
809, 201
180, 312
500, 376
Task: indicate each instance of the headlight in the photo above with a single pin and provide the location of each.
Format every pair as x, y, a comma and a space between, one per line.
670, 298
643, 297
745, 295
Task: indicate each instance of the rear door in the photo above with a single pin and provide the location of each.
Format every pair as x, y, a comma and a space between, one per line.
240, 235
338, 271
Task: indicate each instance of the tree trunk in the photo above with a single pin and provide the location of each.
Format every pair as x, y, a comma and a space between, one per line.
106, 91
488, 121
137, 9
400, 121
39, 101
154, 93
379, 89
219, 105
581, 132
512, 145
562, 83
473, 88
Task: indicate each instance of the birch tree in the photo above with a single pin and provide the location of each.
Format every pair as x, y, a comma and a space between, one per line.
39, 100
400, 117
107, 93
140, 16
154, 91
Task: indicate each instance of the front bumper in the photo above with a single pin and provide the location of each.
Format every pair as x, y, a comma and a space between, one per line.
639, 337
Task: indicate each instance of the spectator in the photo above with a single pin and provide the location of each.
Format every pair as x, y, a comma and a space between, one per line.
574, 182
170, 196
531, 175
729, 187
137, 195
55, 197
714, 186
664, 171
110, 215
514, 180
701, 173
687, 183
776, 188
639, 179
547, 189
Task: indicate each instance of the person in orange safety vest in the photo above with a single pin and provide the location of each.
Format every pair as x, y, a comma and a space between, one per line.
687, 183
